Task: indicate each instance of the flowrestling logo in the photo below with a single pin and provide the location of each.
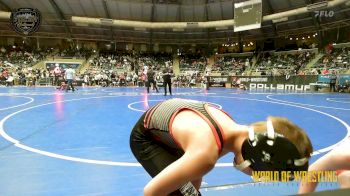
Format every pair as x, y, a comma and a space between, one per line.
25, 21
324, 13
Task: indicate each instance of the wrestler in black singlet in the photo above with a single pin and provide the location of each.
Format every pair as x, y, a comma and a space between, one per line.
151, 141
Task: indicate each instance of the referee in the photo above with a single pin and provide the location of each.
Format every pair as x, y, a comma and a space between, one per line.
167, 74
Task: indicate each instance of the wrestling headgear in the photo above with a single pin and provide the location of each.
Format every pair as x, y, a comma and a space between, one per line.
271, 151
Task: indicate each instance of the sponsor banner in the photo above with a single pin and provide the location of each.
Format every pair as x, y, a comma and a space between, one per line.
255, 80
343, 79
298, 83
219, 81
340, 78
324, 78
279, 87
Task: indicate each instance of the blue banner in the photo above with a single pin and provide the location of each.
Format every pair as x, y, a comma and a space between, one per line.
341, 79
324, 78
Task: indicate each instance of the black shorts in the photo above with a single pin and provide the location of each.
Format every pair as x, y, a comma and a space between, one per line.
153, 155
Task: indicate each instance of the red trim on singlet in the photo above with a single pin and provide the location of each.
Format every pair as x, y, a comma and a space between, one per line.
217, 123
217, 139
148, 116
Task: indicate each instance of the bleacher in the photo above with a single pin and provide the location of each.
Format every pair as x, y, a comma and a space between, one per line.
192, 62
232, 64
337, 60
284, 62
192, 66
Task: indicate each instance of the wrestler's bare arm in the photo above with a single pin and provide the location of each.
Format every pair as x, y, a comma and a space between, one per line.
337, 159
201, 153
191, 166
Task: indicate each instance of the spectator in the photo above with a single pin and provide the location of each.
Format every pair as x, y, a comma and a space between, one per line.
57, 74
9, 80
135, 78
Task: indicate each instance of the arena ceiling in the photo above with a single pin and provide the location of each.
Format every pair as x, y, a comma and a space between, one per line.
57, 22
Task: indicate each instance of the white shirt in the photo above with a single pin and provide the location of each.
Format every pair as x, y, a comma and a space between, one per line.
10, 79
70, 74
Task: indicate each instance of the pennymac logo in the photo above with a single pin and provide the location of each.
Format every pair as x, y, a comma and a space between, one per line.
279, 86
25, 21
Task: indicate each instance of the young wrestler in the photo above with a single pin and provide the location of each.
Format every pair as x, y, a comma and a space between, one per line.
178, 141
